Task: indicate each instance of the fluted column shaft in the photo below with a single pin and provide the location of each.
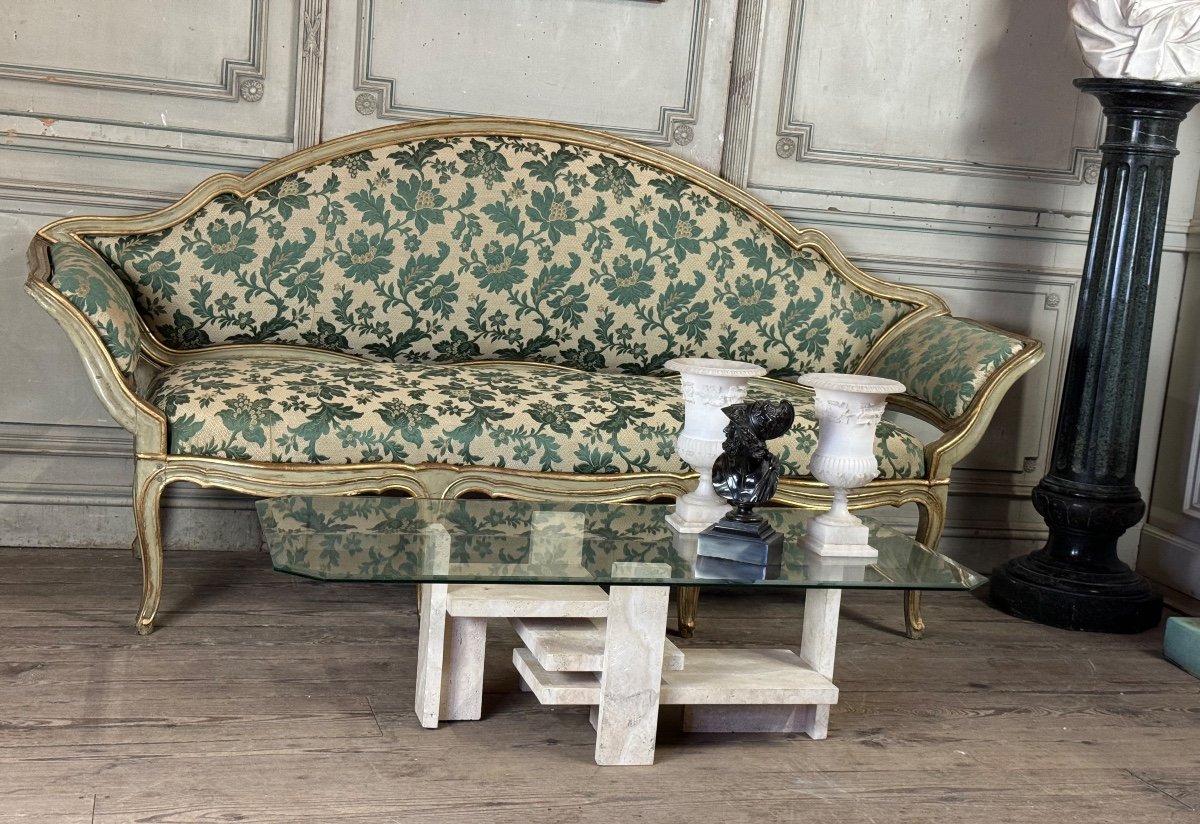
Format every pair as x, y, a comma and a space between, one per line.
1089, 497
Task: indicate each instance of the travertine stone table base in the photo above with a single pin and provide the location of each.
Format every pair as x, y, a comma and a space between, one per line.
623, 666
546, 568
453, 638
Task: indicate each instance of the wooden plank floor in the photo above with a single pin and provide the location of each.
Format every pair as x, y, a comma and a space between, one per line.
268, 698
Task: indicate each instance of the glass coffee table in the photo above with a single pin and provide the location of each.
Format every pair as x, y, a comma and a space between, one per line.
541, 566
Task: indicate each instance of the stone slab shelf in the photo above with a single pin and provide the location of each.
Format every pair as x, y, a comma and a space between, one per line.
575, 645
519, 600
710, 677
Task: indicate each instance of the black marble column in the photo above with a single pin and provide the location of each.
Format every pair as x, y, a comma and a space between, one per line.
1089, 498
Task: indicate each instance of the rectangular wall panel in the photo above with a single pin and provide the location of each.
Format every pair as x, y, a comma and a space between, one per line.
966, 104
151, 78
653, 72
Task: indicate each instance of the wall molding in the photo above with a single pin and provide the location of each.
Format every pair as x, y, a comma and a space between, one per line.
216, 161
797, 139
47, 192
235, 72
1191, 503
176, 496
376, 95
739, 114
59, 439
310, 72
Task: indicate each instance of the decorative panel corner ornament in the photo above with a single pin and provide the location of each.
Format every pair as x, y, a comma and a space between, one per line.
313, 28
366, 104
798, 137
251, 90
377, 94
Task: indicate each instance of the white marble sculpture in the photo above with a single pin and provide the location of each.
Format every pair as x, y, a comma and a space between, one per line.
848, 408
1146, 39
708, 386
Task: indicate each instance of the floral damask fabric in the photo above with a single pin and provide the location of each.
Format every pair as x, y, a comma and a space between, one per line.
496, 247
97, 291
946, 360
520, 416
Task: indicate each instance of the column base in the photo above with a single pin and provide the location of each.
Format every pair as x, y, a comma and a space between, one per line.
1042, 589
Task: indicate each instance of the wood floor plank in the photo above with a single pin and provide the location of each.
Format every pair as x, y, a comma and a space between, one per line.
755, 796
1182, 785
45, 806
118, 719
265, 697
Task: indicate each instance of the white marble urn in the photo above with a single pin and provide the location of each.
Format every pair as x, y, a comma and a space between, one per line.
708, 385
849, 408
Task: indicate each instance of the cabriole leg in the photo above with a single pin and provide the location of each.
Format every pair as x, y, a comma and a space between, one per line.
932, 518
687, 602
147, 494
914, 624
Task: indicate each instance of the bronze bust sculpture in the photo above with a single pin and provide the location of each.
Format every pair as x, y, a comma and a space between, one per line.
746, 475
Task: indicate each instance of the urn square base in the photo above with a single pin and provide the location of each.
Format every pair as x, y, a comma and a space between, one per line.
841, 540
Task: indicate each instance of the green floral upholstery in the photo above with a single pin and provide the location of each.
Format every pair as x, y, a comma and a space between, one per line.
945, 360
97, 291
520, 416
497, 247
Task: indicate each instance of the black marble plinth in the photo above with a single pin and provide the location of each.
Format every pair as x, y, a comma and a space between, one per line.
1088, 498
726, 570
747, 542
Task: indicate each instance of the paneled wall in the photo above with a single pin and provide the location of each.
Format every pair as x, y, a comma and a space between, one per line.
943, 145
940, 144
1170, 549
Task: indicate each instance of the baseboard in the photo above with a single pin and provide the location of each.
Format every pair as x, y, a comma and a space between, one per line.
1170, 561
99, 516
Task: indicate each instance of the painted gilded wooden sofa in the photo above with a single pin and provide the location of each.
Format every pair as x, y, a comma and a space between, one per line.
485, 306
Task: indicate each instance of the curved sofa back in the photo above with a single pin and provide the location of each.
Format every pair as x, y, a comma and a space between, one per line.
499, 246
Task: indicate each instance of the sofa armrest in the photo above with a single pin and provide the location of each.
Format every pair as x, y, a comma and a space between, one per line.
94, 289
89, 301
956, 372
946, 362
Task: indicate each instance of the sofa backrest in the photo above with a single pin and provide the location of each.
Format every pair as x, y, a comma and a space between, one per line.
493, 246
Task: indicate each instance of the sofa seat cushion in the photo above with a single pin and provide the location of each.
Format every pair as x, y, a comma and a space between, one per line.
515, 415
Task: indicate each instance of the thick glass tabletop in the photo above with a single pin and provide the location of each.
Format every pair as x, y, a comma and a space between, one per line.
369, 538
